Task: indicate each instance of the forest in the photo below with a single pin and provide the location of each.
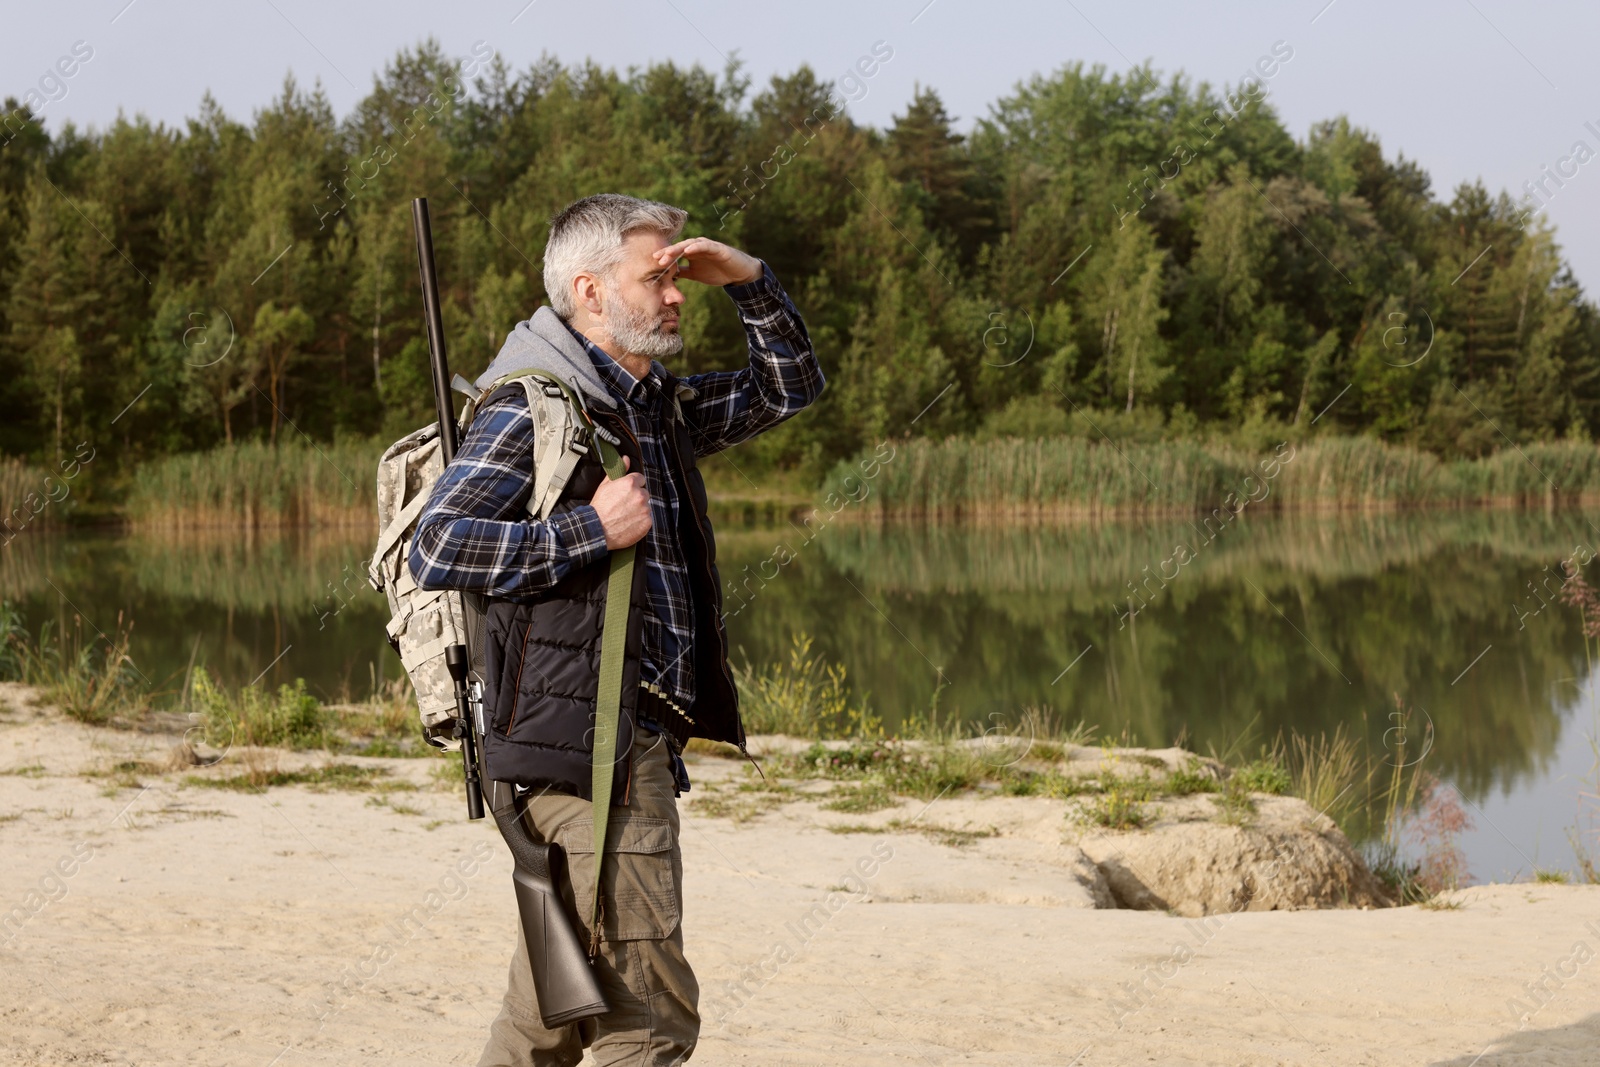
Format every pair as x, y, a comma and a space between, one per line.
1108, 256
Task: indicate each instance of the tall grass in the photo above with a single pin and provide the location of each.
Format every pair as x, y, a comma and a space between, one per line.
295, 483
804, 697
26, 497
1528, 474
299, 483
89, 676
1013, 477
1350, 472
1329, 773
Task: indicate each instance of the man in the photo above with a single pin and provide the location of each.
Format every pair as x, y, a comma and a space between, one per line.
611, 268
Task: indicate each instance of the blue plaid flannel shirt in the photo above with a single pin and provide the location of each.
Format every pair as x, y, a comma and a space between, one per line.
474, 533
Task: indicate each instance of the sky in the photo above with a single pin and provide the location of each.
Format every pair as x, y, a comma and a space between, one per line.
1471, 89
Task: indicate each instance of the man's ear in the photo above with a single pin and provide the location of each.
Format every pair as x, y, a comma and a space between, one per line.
586, 291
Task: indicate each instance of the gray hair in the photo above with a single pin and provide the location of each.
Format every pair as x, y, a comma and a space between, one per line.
588, 234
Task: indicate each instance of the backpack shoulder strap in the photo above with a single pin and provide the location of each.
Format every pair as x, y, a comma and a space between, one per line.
561, 428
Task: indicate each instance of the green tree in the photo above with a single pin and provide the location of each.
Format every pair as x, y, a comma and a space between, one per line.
276, 344
1124, 306
924, 151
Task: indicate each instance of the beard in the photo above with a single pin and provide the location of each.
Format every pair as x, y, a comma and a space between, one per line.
638, 331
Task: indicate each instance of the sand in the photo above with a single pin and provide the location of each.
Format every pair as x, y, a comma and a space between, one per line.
169, 924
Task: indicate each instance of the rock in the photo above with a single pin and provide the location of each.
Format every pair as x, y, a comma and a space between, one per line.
1184, 861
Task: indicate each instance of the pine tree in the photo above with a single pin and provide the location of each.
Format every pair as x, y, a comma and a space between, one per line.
923, 150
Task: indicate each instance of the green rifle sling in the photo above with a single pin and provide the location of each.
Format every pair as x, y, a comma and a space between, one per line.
613, 648
608, 695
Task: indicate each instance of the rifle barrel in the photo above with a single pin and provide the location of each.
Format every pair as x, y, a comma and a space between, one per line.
435, 323
456, 656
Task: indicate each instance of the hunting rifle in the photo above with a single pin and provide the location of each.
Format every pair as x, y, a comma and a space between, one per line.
563, 982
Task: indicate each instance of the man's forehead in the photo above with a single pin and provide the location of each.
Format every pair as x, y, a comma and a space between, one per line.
646, 243
642, 249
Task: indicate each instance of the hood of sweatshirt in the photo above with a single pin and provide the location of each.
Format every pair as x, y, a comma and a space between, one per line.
545, 343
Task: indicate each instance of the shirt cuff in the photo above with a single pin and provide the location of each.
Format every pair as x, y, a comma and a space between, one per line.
580, 533
766, 285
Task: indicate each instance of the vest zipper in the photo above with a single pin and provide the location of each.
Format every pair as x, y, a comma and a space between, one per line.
701, 523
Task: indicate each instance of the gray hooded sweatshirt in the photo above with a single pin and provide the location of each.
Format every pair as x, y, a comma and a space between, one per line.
544, 343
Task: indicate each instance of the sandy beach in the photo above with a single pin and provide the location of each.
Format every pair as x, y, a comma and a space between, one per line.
167, 923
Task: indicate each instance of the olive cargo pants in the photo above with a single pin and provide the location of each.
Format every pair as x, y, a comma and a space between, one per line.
654, 1018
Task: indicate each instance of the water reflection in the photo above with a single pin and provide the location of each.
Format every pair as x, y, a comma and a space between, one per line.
292, 605
1280, 622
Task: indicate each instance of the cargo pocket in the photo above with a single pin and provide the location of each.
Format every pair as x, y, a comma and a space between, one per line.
639, 897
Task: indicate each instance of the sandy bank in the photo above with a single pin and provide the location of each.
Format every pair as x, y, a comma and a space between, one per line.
164, 923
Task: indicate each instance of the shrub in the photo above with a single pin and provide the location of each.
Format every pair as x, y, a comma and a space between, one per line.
291, 717
803, 698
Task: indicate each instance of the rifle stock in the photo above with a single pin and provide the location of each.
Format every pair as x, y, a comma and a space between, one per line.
563, 980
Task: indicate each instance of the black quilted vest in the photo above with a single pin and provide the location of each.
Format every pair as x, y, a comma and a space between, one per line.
542, 652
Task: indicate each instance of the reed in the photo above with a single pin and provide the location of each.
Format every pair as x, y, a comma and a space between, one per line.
300, 483
1340, 473
295, 483
1065, 477
1013, 476
1533, 474
89, 676
29, 497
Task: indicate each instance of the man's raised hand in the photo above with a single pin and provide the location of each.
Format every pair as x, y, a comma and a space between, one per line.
711, 262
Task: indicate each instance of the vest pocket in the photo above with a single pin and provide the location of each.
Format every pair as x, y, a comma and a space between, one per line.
639, 896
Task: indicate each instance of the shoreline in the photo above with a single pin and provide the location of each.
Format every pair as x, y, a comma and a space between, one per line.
777, 514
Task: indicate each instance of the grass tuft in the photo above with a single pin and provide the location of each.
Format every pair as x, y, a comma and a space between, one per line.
1235, 805
344, 777
1326, 772
862, 798
90, 677
1192, 777
1264, 775
1120, 803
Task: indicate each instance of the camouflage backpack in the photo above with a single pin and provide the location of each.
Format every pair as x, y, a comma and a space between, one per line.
423, 623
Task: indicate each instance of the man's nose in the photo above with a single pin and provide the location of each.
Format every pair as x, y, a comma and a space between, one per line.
672, 297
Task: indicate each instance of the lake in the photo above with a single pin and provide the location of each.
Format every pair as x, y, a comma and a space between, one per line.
1299, 622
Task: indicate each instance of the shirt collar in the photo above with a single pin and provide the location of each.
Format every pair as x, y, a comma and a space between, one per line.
616, 376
